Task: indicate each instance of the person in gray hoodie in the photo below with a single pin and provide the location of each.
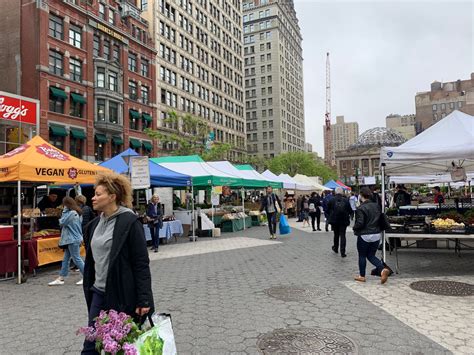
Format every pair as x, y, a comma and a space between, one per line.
116, 272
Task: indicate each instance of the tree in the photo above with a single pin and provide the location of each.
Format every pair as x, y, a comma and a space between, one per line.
191, 137
293, 163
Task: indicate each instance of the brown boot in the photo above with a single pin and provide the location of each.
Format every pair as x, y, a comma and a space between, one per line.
359, 278
384, 275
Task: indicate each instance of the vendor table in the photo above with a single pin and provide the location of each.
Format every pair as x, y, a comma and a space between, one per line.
255, 221
234, 225
456, 238
170, 229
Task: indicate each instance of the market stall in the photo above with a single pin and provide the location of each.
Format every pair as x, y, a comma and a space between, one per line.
305, 180
37, 161
445, 150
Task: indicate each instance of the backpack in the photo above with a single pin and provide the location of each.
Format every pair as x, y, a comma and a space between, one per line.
339, 212
312, 207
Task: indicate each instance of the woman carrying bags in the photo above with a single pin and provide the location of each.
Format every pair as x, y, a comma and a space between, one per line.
71, 239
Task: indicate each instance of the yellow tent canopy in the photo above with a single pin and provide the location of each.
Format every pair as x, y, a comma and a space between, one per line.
39, 161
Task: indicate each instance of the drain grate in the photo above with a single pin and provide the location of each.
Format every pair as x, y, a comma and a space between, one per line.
444, 288
298, 294
306, 341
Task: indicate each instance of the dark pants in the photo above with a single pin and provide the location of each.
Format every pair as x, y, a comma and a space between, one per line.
339, 233
316, 216
367, 252
272, 222
97, 305
155, 236
326, 216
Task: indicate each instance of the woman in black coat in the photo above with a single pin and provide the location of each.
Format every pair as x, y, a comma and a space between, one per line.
116, 272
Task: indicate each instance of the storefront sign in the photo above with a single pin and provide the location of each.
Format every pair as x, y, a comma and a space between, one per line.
18, 108
139, 172
50, 252
215, 199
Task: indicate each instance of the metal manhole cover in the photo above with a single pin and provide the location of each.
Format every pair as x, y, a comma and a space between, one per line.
298, 294
443, 288
306, 341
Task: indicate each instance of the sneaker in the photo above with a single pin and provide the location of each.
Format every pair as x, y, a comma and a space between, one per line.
57, 282
334, 249
80, 282
343, 255
384, 275
359, 278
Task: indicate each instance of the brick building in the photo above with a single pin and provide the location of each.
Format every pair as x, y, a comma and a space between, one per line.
91, 65
442, 99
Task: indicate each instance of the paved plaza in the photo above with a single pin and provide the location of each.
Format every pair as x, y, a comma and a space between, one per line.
244, 294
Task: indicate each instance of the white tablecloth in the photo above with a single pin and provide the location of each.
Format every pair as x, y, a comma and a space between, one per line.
169, 229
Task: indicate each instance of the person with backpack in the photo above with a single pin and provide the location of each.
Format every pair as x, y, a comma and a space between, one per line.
401, 197
368, 231
314, 208
305, 210
271, 205
339, 210
328, 196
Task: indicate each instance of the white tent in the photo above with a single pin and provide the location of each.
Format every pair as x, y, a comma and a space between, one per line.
433, 151
272, 177
298, 186
305, 180
425, 179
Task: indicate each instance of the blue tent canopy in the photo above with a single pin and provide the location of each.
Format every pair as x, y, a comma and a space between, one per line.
159, 176
332, 185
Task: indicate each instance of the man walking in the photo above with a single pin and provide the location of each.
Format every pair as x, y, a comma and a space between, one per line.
155, 218
339, 211
272, 205
353, 201
328, 196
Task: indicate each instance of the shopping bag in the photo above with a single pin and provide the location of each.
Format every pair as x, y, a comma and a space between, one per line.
284, 226
159, 338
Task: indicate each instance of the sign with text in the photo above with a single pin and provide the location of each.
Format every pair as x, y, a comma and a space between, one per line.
139, 172
18, 108
215, 199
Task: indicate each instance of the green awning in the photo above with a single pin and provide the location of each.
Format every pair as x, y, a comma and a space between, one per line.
147, 117
58, 130
179, 159
58, 93
135, 143
147, 145
78, 133
78, 98
100, 138
117, 140
134, 114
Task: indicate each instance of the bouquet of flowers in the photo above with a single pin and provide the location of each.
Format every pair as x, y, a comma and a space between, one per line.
116, 333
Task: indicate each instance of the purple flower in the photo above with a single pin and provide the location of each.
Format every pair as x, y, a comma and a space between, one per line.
129, 349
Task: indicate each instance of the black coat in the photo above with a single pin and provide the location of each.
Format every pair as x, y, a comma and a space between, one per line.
128, 283
317, 203
275, 200
367, 219
339, 217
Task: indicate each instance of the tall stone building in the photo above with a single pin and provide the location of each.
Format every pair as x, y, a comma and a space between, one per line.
90, 64
404, 124
442, 99
274, 107
343, 134
200, 66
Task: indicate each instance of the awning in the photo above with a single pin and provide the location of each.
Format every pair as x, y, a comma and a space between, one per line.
58, 130
135, 143
100, 138
134, 114
78, 133
147, 145
147, 117
58, 93
117, 140
78, 98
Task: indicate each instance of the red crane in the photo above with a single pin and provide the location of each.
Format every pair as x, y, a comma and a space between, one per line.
328, 148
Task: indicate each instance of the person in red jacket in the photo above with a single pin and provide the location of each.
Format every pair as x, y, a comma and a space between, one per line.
438, 195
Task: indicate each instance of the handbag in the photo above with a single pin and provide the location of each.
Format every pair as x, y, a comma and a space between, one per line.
159, 338
284, 226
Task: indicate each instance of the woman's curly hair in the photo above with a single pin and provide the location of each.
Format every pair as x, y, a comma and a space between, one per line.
118, 185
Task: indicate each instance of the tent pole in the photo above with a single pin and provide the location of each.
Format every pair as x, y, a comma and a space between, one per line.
19, 229
383, 210
192, 209
242, 192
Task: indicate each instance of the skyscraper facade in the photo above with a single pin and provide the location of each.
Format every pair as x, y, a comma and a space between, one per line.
343, 134
199, 66
273, 78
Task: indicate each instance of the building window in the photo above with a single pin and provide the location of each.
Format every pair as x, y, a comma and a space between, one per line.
56, 136
75, 69
75, 36
459, 104
145, 65
99, 148
76, 137
111, 17
100, 77
102, 11
101, 110
132, 90
116, 53
96, 46
134, 118
76, 104
117, 143
55, 62
144, 95
106, 50
55, 26
113, 84
132, 62
56, 100
113, 112
144, 5
443, 107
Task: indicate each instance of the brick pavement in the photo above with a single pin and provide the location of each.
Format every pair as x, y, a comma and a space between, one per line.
218, 302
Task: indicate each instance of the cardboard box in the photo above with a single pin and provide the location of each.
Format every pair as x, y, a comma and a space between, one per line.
6, 233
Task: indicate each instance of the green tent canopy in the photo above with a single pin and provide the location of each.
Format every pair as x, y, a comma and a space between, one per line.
250, 173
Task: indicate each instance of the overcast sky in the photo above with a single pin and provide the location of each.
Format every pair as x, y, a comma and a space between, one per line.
382, 53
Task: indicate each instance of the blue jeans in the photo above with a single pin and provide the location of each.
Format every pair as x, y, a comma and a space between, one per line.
367, 252
97, 305
72, 252
155, 236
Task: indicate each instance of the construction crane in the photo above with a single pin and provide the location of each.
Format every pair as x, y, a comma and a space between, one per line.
328, 148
